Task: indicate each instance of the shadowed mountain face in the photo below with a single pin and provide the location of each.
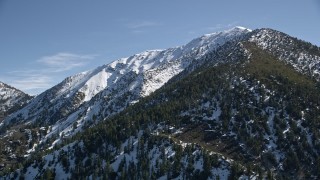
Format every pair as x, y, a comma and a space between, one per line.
234, 104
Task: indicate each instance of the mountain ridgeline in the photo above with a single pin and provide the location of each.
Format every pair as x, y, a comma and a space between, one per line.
228, 105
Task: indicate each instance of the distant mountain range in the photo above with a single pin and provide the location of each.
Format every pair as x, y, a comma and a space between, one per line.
232, 104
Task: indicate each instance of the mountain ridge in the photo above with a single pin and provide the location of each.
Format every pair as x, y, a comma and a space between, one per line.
252, 99
124, 66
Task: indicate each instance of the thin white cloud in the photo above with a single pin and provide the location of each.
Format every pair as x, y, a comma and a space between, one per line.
142, 24
30, 83
34, 81
137, 31
65, 61
26, 72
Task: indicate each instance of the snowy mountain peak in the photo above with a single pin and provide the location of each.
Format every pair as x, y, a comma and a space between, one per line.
11, 99
209, 42
233, 30
243, 28
7, 91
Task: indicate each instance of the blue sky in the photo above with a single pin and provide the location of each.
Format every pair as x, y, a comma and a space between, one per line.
42, 42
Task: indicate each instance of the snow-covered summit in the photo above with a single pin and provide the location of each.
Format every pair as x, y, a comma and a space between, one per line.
209, 42
243, 28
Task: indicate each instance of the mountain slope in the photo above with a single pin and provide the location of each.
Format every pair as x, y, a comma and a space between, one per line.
11, 99
149, 70
303, 56
248, 107
80, 100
